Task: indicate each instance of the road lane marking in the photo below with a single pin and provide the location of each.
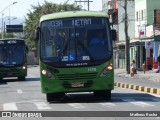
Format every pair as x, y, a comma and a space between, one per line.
139, 103
107, 104
19, 91
10, 106
42, 105
76, 105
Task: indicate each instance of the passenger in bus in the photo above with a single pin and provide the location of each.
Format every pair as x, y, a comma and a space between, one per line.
99, 39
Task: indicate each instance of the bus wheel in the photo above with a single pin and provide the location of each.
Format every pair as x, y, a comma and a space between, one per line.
54, 96
105, 94
21, 78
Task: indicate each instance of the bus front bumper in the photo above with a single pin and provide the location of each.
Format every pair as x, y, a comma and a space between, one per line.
13, 72
77, 85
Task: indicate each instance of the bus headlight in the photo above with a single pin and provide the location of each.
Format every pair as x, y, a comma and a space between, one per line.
44, 72
106, 71
24, 67
110, 67
48, 74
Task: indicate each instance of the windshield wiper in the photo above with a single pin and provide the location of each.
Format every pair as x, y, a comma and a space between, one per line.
65, 46
86, 50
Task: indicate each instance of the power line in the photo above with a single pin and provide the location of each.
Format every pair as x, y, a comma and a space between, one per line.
88, 1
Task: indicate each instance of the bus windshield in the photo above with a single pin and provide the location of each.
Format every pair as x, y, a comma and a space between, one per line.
83, 41
11, 53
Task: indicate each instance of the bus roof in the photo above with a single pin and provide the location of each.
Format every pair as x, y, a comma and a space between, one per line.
69, 14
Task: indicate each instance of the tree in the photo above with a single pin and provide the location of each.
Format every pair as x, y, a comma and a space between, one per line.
123, 4
32, 19
7, 35
127, 48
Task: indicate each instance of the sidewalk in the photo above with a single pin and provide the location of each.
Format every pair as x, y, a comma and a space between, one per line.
148, 82
148, 75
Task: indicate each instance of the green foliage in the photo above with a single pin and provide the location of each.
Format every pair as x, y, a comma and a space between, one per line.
32, 19
7, 35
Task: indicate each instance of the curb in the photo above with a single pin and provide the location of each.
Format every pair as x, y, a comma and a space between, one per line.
139, 88
128, 76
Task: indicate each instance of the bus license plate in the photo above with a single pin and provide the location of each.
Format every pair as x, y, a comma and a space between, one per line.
77, 85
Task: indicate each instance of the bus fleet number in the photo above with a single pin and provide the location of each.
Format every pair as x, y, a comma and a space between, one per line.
92, 69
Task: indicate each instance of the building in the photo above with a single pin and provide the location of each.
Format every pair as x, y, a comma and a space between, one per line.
121, 33
116, 13
143, 30
147, 33
111, 7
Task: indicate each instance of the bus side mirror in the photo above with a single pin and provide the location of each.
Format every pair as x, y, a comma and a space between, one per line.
36, 34
114, 34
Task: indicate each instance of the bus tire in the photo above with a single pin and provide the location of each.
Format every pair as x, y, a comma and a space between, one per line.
21, 78
105, 94
53, 96
108, 95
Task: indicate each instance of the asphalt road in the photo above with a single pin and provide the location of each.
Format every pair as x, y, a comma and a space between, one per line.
26, 96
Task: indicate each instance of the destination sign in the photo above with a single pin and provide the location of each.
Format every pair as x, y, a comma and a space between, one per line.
77, 22
57, 23
81, 22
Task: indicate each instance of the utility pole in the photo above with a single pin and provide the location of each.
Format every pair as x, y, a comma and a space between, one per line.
3, 14
88, 1
127, 48
2, 26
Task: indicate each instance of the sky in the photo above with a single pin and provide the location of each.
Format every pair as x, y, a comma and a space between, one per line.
21, 8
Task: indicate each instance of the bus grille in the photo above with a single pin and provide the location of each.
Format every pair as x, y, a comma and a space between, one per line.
8, 70
77, 76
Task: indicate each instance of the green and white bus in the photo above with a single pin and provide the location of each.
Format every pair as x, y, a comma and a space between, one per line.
13, 58
68, 62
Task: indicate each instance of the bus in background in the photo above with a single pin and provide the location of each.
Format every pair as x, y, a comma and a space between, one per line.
13, 58
71, 57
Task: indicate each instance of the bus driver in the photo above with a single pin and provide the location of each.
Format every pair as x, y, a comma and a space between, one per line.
99, 39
